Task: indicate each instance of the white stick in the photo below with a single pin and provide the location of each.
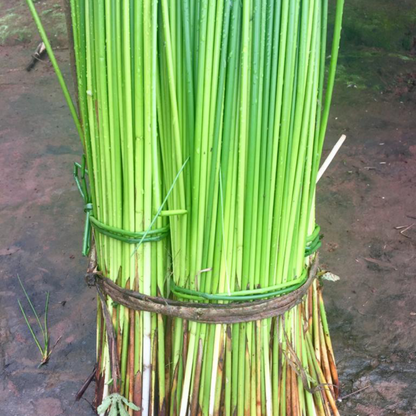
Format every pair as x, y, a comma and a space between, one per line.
214, 371
330, 157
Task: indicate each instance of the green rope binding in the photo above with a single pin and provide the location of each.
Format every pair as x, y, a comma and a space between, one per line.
129, 237
243, 295
313, 242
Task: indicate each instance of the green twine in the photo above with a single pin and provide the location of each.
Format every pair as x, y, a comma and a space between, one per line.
243, 295
80, 172
313, 242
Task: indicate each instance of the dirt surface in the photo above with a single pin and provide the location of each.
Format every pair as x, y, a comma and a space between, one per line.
366, 209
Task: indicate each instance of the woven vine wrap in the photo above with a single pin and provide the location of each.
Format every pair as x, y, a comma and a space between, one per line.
210, 313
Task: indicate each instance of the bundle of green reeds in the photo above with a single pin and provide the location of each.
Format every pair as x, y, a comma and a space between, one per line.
241, 87
203, 124
115, 47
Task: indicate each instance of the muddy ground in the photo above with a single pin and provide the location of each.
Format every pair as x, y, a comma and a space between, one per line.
366, 209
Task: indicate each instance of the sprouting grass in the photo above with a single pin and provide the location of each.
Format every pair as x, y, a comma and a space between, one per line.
44, 339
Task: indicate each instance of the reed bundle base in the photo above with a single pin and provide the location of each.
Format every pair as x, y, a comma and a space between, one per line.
311, 370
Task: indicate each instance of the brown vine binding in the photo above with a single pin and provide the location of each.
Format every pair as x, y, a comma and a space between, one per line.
208, 313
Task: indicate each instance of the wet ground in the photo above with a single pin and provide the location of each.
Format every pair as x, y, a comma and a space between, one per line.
366, 209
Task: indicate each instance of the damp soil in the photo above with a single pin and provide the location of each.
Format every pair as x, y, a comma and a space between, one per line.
366, 209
